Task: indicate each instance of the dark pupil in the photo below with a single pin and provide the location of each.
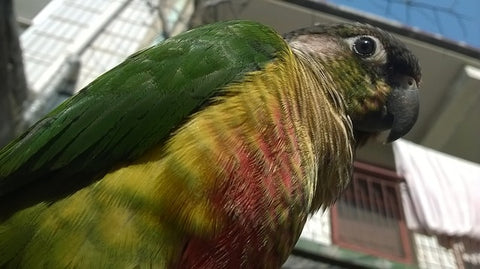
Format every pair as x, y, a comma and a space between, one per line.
364, 46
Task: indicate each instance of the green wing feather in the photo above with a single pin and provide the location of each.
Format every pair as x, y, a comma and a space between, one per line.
136, 105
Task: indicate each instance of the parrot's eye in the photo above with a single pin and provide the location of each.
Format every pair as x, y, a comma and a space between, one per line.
364, 46
369, 48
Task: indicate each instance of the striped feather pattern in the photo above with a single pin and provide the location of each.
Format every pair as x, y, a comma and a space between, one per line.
270, 141
232, 187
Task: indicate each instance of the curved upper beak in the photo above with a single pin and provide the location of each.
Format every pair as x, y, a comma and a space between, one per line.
399, 113
403, 105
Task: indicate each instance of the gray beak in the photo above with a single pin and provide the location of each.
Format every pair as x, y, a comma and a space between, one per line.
403, 104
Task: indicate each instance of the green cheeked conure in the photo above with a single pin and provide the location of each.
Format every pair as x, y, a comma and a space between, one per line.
209, 150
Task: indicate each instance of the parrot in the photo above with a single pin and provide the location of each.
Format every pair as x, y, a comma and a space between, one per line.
208, 150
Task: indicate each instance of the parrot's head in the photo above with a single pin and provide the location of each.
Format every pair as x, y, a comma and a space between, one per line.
376, 75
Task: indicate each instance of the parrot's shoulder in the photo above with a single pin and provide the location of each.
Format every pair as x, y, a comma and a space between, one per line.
135, 106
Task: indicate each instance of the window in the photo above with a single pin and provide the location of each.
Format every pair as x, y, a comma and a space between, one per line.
369, 216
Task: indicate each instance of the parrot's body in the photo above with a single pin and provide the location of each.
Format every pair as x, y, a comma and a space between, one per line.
209, 150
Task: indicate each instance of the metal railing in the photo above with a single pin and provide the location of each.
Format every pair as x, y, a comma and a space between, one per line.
369, 217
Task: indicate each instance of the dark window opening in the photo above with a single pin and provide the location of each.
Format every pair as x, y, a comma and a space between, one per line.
369, 216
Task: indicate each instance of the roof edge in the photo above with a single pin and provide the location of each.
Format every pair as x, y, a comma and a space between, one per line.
391, 26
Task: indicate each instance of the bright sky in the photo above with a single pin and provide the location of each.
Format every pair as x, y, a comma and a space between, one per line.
454, 19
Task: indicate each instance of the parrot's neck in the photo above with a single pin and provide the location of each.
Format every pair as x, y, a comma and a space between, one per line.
324, 112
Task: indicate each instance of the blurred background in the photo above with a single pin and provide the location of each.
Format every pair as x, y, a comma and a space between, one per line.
413, 204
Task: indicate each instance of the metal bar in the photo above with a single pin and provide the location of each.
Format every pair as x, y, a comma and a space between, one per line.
384, 174
82, 42
377, 203
76, 49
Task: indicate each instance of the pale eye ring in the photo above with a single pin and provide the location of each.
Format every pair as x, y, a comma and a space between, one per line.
364, 46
